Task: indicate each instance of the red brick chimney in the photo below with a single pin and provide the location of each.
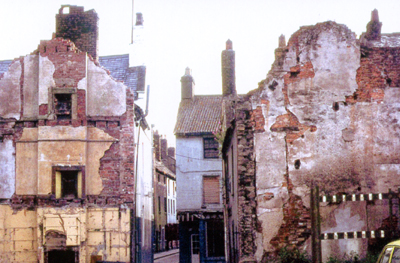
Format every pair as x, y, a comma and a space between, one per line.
187, 85
81, 27
228, 70
374, 27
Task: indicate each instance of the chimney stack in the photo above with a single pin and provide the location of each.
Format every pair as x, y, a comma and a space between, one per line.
157, 146
187, 85
374, 27
282, 41
139, 19
228, 70
80, 27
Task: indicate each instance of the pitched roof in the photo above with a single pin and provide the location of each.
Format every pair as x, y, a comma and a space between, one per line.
200, 115
118, 65
162, 168
4, 65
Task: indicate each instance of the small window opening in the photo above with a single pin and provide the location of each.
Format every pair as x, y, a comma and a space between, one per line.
297, 164
211, 148
294, 74
389, 81
69, 184
335, 106
273, 85
62, 106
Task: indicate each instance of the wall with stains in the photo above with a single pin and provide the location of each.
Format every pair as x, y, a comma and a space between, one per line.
96, 231
327, 114
95, 137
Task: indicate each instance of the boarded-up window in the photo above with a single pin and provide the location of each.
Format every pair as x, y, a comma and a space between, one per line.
210, 148
211, 193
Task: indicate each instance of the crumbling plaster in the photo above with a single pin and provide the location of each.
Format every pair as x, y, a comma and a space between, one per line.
47, 146
332, 138
10, 91
105, 96
7, 168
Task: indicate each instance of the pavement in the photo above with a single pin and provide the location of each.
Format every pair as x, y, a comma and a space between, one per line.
165, 253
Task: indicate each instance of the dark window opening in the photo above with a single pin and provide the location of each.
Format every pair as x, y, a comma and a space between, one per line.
335, 106
294, 74
273, 85
215, 238
159, 204
165, 204
61, 256
297, 164
62, 106
69, 184
211, 148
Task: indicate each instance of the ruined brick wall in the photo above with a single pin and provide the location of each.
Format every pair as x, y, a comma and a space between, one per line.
239, 185
326, 114
246, 181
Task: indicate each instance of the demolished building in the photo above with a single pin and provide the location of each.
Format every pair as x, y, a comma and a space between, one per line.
68, 173
326, 116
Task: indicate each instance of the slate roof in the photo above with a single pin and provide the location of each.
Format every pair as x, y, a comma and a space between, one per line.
4, 65
118, 65
199, 116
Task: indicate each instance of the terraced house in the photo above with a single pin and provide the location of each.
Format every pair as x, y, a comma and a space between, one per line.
67, 151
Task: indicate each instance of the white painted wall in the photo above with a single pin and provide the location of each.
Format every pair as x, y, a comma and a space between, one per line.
171, 199
190, 169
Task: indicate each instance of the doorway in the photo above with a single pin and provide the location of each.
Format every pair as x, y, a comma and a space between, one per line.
61, 256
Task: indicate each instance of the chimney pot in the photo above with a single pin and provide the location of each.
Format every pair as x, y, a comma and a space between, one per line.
229, 44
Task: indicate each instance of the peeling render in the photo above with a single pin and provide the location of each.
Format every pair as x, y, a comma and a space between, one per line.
10, 91
66, 154
326, 114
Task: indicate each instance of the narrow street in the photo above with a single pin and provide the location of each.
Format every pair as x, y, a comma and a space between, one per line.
171, 256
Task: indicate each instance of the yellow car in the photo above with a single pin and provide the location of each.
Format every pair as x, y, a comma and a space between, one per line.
390, 253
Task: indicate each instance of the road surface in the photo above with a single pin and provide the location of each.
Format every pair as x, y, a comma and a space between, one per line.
174, 258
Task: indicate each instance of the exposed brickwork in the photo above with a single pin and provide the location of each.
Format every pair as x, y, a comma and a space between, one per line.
246, 166
80, 27
296, 227
290, 124
296, 74
258, 117
379, 68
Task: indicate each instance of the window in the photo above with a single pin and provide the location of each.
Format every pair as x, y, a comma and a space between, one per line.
165, 204
159, 204
211, 193
210, 148
68, 182
64, 103
62, 106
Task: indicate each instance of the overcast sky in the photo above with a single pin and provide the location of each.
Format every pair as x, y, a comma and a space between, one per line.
190, 33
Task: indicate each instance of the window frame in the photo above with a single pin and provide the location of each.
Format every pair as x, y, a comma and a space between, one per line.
74, 102
56, 181
217, 178
212, 147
